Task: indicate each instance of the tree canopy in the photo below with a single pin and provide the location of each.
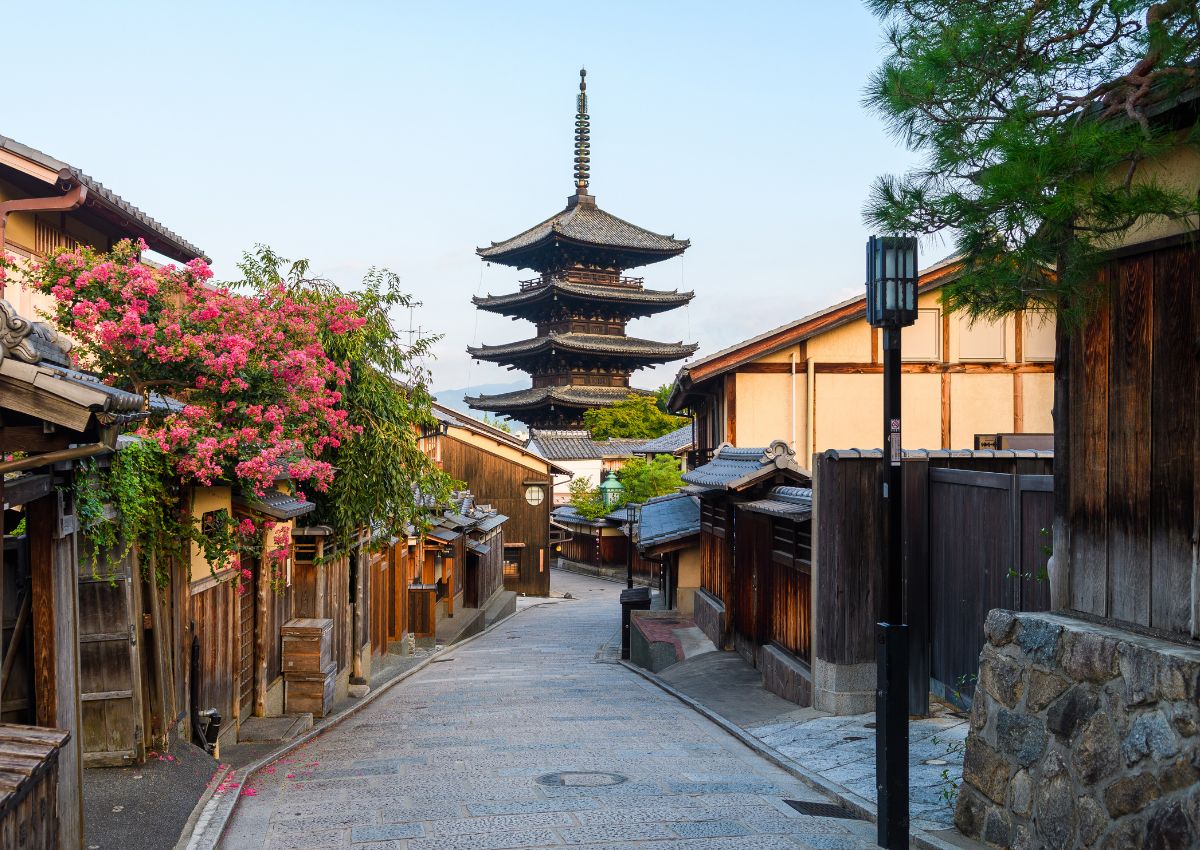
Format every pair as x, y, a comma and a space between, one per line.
636, 417
1037, 119
644, 479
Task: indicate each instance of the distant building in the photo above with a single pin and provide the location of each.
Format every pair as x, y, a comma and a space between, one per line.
580, 455
580, 357
678, 443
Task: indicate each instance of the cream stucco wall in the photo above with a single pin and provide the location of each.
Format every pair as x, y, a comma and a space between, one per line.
205, 499
834, 406
689, 579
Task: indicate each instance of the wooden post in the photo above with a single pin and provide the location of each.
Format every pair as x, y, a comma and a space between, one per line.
134, 580
163, 668
53, 566
263, 586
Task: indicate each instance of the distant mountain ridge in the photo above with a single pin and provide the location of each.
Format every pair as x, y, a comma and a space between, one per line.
453, 398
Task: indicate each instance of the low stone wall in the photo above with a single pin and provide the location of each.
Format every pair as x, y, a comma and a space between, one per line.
785, 674
1081, 736
709, 614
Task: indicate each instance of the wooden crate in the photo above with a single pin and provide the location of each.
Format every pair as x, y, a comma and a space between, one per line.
310, 692
307, 645
29, 787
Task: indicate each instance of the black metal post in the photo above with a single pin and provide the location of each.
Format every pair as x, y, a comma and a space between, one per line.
891, 694
629, 568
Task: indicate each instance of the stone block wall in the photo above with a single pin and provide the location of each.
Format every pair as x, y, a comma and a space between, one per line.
1081, 736
709, 614
785, 674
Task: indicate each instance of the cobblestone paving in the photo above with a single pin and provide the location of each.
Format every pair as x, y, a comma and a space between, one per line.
842, 750
529, 737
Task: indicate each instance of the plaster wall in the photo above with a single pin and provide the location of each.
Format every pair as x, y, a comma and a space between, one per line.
689, 579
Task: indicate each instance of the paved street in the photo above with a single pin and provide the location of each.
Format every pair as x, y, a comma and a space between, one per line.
532, 737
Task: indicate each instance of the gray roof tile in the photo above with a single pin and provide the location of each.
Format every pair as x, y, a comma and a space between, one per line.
627, 346
100, 194
668, 518
569, 396
651, 298
578, 445
583, 221
736, 468
676, 441
794, 503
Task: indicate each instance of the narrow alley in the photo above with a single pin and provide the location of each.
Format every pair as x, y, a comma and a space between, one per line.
531, 736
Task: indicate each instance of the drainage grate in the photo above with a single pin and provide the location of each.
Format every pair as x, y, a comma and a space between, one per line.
582, 779
821, 810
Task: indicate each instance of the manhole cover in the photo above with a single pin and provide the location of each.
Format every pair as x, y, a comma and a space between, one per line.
821, 810
582, 778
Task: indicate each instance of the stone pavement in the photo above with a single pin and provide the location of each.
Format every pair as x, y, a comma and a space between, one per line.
530, 737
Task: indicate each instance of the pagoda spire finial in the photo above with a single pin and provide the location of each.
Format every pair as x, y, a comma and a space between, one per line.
582, 146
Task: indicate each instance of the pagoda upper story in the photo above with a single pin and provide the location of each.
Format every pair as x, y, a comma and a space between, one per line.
581, 303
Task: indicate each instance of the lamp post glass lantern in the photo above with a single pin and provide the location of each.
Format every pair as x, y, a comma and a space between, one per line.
891, 306
632, 510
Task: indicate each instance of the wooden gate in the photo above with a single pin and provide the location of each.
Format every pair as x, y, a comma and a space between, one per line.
987, 549
110, 666
752, 585
247, 605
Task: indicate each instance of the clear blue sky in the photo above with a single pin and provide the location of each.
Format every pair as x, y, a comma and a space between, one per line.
406, 134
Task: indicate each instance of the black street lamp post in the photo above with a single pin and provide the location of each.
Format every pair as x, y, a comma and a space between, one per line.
631, 515
892, 305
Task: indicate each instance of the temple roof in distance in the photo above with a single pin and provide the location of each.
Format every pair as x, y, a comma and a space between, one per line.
584, 224
644, 301
565, 396
581, 343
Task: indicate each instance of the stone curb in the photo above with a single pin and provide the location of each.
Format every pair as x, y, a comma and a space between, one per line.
212, 813
862, 807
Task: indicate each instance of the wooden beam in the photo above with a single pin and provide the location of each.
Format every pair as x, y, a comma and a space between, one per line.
28, 399
731, 408
945, 410
945, 336
1018, 404
1019, 335
31, 439
874, 345
27, 488
938, 368
770, 368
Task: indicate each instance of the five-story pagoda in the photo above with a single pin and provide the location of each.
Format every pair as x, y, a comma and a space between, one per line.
581, 302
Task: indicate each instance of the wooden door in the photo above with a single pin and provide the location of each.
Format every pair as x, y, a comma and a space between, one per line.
247, 607
110, 666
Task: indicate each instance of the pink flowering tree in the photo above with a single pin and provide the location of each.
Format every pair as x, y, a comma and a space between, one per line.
261, 398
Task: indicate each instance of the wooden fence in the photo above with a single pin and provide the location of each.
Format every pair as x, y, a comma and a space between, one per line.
976, 538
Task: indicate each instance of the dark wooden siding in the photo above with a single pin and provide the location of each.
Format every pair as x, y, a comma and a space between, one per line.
1132, 426
500, 482
212, 612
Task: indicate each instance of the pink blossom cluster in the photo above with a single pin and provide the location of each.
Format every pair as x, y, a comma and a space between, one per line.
260, 393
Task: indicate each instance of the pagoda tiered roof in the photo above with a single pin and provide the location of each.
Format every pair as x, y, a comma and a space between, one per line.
569, 396
583, 231
603, 345
634, 299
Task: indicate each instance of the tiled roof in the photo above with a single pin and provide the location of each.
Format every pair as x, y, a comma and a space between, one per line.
649, 298
626, 346
734, 469
793, 503
582, 221
934, 454
668, 444
567, 514
569, 396
668, 518
98, 193
276, 504
578, 445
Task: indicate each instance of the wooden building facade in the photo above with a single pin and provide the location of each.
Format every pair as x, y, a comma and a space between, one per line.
501, 471
817, 382
755, 562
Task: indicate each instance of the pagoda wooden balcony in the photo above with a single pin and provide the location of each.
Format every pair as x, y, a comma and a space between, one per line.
595, 278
